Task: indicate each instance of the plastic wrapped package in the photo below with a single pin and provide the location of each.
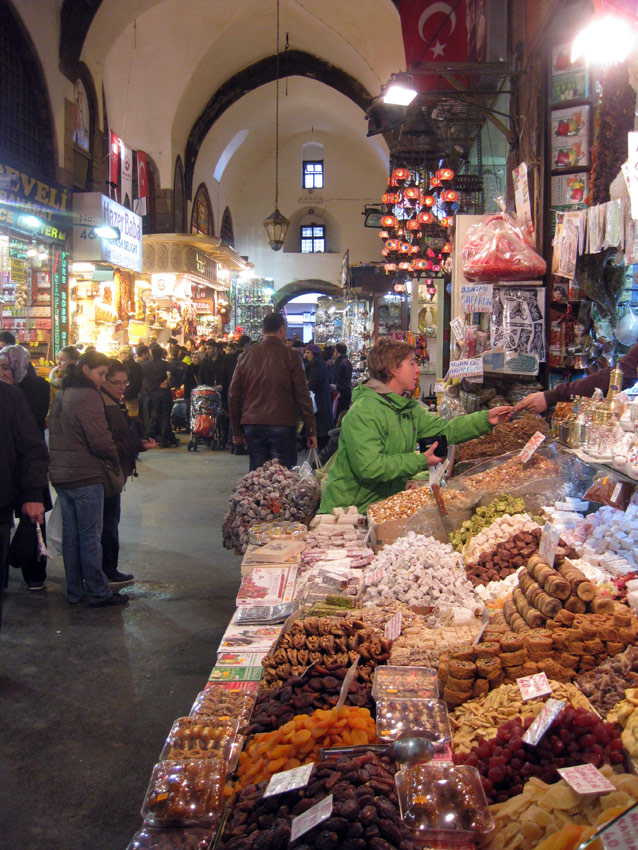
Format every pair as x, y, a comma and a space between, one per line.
497, 249
263, 532
225, 700
191, 838
400, 718
469, 343
185, 793
200, 737
450, 407
405, 682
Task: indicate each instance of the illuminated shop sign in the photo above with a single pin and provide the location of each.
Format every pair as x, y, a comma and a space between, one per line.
91, 210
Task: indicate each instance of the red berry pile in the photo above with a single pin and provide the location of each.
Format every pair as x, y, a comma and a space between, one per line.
575, 737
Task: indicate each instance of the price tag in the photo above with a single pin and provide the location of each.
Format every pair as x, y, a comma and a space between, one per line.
393, 626
534, 686
288, 780
586, 779
439, 387
622, 834
375, 575
616, 492
548, 713
548, 544
309, 819
466, 368
476, 297
530, 446
458, 329
347, 681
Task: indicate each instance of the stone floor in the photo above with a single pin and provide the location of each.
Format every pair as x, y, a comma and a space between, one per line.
87, 696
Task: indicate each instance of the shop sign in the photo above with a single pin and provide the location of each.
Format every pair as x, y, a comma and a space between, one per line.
27, 195
60, 301
199, 264
137, 329
94, 209
476, 297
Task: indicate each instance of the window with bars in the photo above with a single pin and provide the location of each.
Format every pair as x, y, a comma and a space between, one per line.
313, 174
313, 239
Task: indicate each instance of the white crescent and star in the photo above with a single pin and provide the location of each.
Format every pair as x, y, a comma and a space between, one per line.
442, 8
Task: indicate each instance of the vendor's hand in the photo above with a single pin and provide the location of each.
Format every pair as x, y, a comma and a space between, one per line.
240, 440
34, 510
311, 442
432, 458
534, 403
500, 414
164, 384
150, 443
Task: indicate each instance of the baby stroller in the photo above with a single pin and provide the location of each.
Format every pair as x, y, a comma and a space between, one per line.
205, 407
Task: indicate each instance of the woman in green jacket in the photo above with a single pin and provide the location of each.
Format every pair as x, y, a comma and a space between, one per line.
376, 455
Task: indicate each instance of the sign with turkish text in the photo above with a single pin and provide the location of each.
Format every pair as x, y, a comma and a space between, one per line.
534, 686
93, 209
476, 297
530, 446
34, 206
289, 780
311, 818
466, 368
586, 779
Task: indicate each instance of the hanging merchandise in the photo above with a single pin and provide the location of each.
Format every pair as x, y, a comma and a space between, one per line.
517, 321
497, 249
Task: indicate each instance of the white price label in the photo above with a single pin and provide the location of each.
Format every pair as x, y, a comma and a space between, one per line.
476, 297
534, 686
458, 329
623, 833
586, 779
466, 368
616, 492
530, 446
393, 626
375, 575
548, 544
288, 780
311, 818
548, 713
347, 681
439, 387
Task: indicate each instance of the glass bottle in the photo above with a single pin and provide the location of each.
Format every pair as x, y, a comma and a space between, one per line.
615, 382
607, 435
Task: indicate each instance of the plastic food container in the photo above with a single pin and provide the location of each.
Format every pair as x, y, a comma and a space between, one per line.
263, 532
185, 793
224, 702
443, 799
405, 683
398, 718
190, 838
200, 737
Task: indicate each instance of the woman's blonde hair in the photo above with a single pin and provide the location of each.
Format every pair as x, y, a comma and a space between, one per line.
386, 356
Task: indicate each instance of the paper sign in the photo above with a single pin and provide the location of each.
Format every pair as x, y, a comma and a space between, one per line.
467, 368
616, 492
476, 297
375, 575
458, 329
622, 834
347, 681
586, 779
288, 780
393, 626
309, 819
530, 446
534, 686
548, 713
439, 387
548, 544
521, 197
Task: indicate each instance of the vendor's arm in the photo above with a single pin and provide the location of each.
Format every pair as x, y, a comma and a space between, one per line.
456, 430
365, 447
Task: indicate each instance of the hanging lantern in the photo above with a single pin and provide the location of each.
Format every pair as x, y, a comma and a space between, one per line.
447, 248
411, 193
390, 267
400, 175
428, 200
404, 266
445, 221
383, 234
420, 264
434, 182
436, 267
425, 218
414, 249
445, 174
389, 221
390, 198
385, 252
399, 287
430, 253
392, 244
412, 224
449, 196
399, 232
404, 247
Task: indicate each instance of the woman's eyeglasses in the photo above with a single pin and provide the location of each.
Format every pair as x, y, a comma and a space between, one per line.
118, 383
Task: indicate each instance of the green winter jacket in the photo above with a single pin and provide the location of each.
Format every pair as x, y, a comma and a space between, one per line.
376, 455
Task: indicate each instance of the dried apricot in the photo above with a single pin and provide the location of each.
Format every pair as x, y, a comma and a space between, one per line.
301, 736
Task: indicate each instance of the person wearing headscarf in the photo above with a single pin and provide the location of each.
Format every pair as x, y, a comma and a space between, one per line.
16, 369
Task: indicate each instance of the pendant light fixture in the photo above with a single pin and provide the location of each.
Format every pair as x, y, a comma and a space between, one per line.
276, 224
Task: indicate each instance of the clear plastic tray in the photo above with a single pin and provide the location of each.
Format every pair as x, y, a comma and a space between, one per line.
405, 682
263, 532
441, 799
176, 838
185, 793
397, 718
200, 737
224, 702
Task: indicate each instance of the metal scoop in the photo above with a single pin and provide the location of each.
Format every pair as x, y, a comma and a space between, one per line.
415, 749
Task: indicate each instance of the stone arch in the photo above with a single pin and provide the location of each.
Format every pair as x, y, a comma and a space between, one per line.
179, 197
34, 107
202, 220
227, 231
300, 287
306, 215
292, 63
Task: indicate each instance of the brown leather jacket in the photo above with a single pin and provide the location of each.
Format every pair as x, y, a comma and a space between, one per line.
269, 388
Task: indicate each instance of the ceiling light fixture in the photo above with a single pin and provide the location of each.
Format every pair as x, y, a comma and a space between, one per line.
606, 40
105, 231
400, 90
276, 224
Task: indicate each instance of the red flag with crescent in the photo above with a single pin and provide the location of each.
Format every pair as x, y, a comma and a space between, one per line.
142, 183
434, 31
114, 161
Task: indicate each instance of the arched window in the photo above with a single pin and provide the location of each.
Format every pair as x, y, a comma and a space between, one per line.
202, 214
84, 112
226, 233
26, 128
179, 198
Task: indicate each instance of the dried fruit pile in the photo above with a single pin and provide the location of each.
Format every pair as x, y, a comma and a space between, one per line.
318, 688
268, 493
575, 737
507, 437
605, 685
365, 812
299, 741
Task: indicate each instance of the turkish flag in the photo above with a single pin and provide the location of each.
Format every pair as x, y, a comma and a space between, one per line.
142, 183
127, 175
433, 32
114, 161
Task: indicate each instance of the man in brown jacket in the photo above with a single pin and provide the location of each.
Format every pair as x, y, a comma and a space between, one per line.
267, 395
